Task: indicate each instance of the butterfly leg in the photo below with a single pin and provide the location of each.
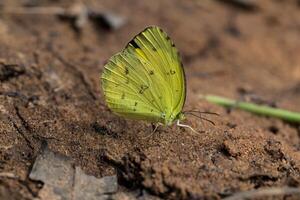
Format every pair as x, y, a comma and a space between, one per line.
186, 126
154, 130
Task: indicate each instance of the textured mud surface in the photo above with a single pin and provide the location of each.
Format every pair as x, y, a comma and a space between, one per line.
50, 92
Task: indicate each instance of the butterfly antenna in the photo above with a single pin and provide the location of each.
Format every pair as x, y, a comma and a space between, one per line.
201, 112
186, 126
202, 118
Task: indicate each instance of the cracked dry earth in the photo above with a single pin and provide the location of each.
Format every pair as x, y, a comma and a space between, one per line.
50, 92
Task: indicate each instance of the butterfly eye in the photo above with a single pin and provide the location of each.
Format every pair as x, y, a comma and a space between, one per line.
163, 115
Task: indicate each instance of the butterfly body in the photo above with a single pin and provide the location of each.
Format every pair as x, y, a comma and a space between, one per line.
146, 80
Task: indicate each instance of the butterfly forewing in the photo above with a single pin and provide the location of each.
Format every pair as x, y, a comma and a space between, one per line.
146, 80
166, 58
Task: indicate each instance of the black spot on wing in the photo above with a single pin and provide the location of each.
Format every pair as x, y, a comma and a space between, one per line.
134, 44
126, 70
143, 88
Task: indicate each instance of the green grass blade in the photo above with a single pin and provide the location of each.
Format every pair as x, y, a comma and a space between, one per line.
254, 108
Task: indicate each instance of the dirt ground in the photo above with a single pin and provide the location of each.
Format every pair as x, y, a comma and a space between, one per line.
50, 92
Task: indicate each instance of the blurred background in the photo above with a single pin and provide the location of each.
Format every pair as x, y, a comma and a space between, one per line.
243, 46
52, 53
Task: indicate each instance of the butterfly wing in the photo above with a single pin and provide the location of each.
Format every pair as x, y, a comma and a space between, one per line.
146, 80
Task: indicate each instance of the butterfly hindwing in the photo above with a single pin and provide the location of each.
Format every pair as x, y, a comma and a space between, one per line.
146, 80
125, 89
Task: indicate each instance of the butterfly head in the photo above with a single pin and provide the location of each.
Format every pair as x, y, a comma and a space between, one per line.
169, 120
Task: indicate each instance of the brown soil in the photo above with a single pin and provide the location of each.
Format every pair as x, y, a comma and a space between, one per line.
52, 94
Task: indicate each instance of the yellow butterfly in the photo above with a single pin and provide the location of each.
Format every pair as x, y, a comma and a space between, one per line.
146, 80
